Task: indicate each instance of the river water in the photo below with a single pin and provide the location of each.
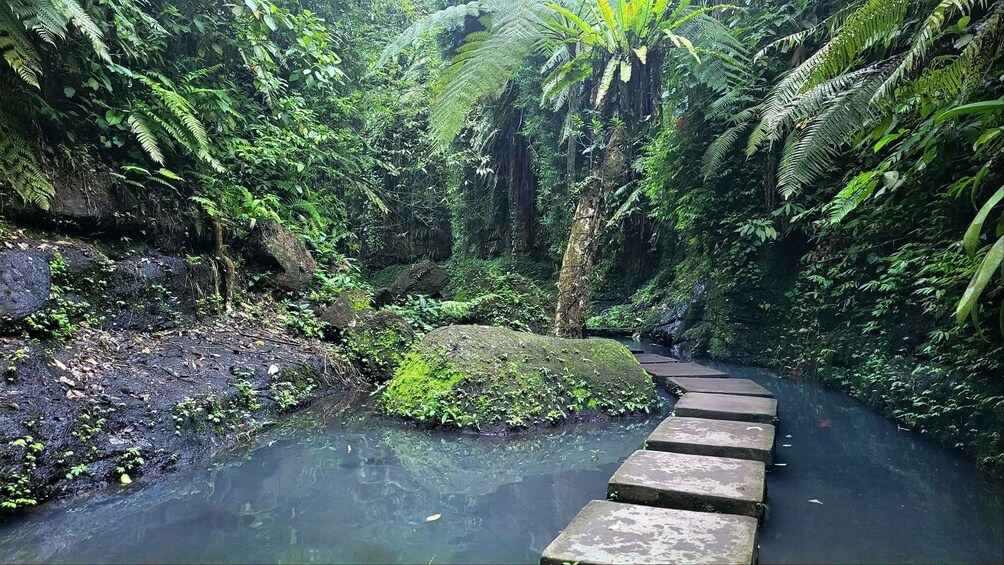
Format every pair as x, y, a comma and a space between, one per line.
340, 483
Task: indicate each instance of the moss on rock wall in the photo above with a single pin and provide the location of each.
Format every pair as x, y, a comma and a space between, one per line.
491, 378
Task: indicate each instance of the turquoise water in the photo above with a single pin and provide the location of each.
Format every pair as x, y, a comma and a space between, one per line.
341, 483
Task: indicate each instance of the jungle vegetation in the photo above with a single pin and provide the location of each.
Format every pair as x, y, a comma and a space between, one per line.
824, 178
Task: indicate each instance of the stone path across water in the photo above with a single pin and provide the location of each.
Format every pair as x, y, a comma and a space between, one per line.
652, 358
727, 407
742, 387
690, 482
696, 492
719, 438
662, 371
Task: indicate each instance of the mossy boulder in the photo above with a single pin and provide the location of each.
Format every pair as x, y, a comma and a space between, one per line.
424, 278
347, 310
496, 379
379, 343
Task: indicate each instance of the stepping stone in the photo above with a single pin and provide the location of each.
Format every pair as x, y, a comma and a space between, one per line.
646, 358
635, 349
662, 371
611, 533
716, 438
742, 387
690, 482
727, 407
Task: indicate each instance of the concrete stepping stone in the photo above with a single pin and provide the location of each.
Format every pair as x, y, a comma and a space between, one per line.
612, 533
635, 349
662, 371
727, 407
690, 482
646, 358
715, 438
742, 387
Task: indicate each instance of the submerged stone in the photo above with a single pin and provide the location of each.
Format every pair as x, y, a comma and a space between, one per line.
717, 438
647, 358
611, 533
727, 407
488, 378
742, 387
690, 482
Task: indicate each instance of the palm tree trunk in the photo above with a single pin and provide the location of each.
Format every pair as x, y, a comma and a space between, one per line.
583, 243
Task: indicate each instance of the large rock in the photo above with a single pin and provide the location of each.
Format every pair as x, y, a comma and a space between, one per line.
347, 311
424, 278
495, 379
25, 281
274, 247
379, 342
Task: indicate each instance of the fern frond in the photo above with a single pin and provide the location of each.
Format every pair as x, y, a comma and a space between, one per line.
720, 148
147, 139
923, 39
485, 64
446, 18
873, 22
19, 168
811, 151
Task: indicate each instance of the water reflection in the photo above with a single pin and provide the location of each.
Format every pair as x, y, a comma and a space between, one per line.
346, 486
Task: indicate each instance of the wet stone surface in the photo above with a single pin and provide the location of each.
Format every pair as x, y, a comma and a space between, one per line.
717, 438
661, 371
612, 533
742, 387
646, 358
690, 482
727, 407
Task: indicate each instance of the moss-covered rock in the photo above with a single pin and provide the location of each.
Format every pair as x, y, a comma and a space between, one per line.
347, 310
379, 343
492, 378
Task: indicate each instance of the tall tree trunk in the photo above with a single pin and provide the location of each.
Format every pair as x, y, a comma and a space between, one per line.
583, 242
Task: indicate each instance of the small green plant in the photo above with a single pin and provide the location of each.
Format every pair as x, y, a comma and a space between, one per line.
130, 461
301, 318
78, 470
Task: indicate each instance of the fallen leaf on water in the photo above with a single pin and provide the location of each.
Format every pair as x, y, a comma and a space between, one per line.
273, 369
350, 448
824, 424
814, 501
433, 518
125, 479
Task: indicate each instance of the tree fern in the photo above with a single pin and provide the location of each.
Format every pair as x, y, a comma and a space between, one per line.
446, 18
485, 63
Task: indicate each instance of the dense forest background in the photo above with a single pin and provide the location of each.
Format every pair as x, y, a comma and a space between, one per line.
809, 186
